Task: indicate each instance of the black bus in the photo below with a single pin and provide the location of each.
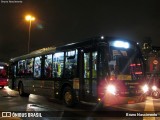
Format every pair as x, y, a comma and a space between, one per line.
104, 70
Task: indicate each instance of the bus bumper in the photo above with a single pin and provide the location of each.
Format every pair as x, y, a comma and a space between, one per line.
3, 83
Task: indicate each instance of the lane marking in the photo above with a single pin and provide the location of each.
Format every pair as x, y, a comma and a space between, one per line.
149, 107
128, 109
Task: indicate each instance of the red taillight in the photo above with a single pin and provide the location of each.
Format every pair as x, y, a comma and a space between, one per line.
132, 65
138, 73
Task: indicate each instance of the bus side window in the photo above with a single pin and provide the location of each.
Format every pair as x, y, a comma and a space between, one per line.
58, 60
94, 65
29, 67
86, 65
48, 66
37, 67
71, 64
21, 67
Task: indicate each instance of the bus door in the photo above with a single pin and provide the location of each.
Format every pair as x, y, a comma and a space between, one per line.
89, 76
12, 76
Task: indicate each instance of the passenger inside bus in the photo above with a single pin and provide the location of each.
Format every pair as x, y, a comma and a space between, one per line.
37, 70
21, 70
57, 70
70, 71
49, 70
112, 72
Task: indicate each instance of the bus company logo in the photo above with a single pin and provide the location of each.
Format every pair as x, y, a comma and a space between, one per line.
21, 114
11, 1
6, 114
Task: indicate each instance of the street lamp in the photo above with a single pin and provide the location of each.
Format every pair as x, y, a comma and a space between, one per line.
29, 18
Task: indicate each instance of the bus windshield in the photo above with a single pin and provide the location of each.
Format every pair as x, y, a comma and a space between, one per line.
124, 62
3, 72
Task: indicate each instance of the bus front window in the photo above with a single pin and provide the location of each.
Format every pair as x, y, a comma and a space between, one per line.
3, 72
124, 63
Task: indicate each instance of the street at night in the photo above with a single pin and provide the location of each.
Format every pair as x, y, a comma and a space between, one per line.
79, 60
12, 102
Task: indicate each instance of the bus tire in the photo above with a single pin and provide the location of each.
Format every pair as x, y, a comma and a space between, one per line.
2, 87
68, 97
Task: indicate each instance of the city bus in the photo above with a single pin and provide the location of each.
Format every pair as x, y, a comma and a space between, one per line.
3, 74
100, 70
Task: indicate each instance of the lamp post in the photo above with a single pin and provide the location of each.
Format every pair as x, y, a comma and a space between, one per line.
29, 18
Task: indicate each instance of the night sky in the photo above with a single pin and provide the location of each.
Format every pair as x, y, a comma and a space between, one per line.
64, 21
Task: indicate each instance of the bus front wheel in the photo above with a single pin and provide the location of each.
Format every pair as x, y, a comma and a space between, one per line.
68, 97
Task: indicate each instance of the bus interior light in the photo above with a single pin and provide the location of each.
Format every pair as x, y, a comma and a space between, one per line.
121, 44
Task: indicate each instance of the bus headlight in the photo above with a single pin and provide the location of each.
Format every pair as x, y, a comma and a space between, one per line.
111, 89
145, 88
154, 88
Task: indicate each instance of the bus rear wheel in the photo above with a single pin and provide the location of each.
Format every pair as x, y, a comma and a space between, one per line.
68, 97
2, 87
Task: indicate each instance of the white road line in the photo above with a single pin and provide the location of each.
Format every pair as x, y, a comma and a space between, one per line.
149, 107
127, 109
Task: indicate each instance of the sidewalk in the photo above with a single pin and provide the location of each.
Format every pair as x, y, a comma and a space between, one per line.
10, 92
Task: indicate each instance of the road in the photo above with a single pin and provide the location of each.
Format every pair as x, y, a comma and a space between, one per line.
49, 109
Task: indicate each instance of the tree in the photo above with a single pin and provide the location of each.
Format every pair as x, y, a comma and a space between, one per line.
146, 47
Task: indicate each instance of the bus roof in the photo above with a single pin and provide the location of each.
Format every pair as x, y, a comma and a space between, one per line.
34, 53
3, 63
88, 42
